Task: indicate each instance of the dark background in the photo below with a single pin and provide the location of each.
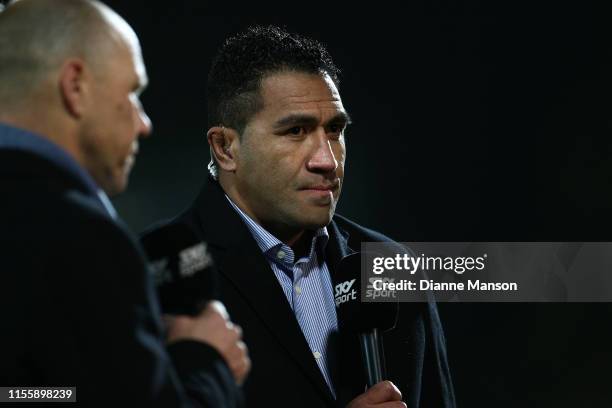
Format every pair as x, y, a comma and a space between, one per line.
473, 120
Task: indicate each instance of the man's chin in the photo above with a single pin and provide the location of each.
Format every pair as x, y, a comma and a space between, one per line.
317, 198
316, 221
116, 186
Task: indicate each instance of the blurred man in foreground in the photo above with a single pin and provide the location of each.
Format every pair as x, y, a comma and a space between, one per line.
76, 300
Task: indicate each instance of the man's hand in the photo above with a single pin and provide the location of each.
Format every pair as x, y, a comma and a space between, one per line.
212, 326
382, 395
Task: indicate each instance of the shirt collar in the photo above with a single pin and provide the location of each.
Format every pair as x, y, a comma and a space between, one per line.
272, 247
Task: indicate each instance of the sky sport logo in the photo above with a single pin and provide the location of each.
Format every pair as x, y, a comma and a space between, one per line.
342, 292
373, 293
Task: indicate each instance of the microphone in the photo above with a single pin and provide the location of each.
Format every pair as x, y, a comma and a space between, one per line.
364, 319
182, 269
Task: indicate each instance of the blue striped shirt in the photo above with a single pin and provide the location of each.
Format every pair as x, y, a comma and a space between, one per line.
306, 284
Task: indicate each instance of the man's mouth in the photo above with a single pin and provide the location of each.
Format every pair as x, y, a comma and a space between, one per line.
130, 160
322, 187
322, 193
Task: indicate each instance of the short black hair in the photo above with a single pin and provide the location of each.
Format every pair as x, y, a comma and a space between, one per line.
245, 59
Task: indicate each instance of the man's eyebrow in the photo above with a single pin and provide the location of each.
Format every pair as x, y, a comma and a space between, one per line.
296, 119
342, 117
309, 120
141, 84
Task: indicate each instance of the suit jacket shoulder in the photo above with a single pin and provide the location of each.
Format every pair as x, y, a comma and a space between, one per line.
77, 304
282, 361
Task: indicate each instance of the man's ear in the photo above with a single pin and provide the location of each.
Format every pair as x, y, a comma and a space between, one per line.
73, 86
224, 144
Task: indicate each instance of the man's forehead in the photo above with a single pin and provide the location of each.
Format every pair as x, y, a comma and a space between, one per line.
126, 38
287, 91
133, 46
141, 71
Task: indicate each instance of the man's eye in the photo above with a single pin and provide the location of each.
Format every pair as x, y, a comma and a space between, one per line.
297, 130
336, 128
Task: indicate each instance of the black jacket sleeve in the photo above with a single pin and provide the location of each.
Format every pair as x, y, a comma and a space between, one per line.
88, 317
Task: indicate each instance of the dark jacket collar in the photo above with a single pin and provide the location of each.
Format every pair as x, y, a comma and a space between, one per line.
211, 209
21, 141
24, 154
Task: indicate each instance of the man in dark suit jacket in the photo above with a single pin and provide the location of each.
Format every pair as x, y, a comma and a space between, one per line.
267, 214
76, 301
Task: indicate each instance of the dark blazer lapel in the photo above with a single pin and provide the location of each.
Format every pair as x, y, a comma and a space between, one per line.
337, 247
349, 380
241, 261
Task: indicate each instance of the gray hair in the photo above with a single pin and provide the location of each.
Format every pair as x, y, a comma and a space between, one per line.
37, 36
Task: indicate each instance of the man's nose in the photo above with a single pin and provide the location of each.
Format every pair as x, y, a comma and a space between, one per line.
145, 126
323, 159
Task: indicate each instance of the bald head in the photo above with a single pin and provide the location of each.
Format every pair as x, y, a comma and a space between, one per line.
72, 71
37, 36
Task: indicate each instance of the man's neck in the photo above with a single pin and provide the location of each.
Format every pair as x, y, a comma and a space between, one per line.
44, 125
301, 247
298, 239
